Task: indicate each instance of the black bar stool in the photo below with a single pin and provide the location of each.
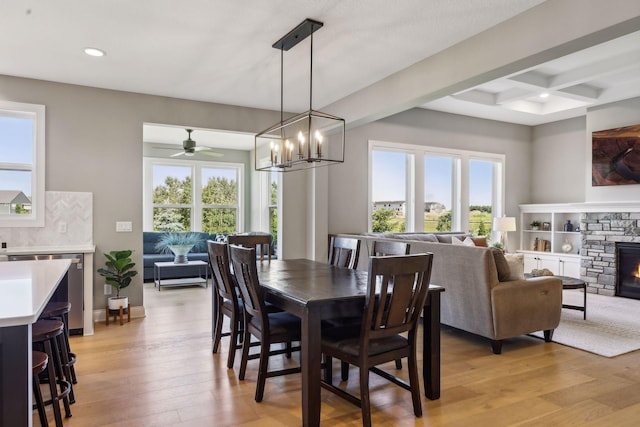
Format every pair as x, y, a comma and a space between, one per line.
49, 334
60, 311
39, 361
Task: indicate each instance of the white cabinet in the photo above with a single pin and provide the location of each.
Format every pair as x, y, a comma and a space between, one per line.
559, 265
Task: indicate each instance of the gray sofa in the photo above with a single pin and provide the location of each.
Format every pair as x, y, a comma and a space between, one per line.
479, 296
150, 255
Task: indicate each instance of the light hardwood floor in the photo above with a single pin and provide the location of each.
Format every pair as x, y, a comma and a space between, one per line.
159, 371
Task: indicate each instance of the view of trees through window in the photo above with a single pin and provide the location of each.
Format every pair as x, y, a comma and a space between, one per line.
273, 207
444, 204
174, 204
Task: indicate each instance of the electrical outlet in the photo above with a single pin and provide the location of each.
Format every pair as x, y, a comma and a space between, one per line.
107, 289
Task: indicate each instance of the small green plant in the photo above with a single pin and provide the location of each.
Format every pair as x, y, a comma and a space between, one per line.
498, 245
119, 270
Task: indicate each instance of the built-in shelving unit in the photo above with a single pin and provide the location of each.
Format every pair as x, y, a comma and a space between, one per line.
551, 245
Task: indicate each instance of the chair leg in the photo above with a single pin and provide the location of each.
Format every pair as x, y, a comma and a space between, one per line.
398, 363
288, 347
233, 342
344, 371
365, 403
217, 333
328, 368
262, 369
414, 383
496, 345
53, 388
246, 344
42, 414
548, 335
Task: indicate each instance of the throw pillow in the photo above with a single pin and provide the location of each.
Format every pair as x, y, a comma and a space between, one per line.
504, 273
480, 241
465, 242
516, 266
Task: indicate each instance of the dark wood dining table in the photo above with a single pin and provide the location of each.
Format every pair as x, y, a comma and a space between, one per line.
315, 291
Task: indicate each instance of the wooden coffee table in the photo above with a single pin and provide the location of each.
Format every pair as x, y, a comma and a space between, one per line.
572, 283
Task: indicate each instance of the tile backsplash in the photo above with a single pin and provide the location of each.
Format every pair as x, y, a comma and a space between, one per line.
68, 222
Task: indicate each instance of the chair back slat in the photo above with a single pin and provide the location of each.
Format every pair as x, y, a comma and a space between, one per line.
344, 252
396, 292
246, 273
219, 264
386, 248
261, 242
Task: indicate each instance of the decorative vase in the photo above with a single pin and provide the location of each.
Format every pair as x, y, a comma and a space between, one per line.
116, 302
568, 226
566, 247
180, 252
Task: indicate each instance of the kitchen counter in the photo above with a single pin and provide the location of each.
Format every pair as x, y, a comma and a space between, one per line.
25, 289
71, 249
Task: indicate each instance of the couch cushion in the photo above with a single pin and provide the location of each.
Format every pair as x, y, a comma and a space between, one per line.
467, 241
446, 238
425, 237
480, 241
504, 273
516, 266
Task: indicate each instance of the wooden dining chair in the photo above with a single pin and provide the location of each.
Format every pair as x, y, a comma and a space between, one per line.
386, 248
403, 282
261, 242
225, 301
344, 252
268, 328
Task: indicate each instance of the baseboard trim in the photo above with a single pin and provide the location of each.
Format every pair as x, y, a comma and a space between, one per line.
136, 313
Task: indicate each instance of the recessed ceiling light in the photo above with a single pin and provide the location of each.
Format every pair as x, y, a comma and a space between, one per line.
544, 95
92, 51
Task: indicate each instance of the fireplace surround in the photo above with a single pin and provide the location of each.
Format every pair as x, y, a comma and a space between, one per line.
628, 270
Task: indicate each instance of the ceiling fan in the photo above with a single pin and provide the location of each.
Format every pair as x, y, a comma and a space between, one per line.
189, 148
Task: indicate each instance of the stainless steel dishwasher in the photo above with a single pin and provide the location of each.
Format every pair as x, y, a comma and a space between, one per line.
74, 292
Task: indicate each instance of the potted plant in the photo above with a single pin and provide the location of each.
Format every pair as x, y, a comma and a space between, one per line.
178, 243
118, 272
535, 225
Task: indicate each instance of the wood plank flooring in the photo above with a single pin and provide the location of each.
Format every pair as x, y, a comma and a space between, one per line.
159, 371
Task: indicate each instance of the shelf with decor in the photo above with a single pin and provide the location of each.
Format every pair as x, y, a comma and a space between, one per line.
555, 244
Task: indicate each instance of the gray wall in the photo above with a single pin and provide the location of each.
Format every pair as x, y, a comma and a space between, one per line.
558, 158
94, 144
348, 182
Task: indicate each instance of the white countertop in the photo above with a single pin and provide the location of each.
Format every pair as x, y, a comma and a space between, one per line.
26, 287
45, 250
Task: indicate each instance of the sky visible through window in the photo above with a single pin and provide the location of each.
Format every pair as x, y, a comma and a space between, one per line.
16, 146
388, 182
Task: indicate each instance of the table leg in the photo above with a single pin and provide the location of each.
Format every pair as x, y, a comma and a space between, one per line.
584, 313
431, 346
310, 361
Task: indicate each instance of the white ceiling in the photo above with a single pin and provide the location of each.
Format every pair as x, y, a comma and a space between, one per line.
220, 51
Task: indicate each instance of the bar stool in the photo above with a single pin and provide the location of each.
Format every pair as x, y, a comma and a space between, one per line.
39, 361
49, 334
59, 310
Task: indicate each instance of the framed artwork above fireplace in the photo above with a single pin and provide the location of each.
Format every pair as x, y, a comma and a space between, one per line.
615, 156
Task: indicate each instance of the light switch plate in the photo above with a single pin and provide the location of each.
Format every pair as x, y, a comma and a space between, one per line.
124, 226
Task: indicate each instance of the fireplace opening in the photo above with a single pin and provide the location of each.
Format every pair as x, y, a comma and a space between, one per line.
628, 270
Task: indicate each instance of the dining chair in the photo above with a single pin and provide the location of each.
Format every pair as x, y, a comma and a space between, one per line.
344, 252
386, 248
226, 301
268, 328
262, 242
402, 282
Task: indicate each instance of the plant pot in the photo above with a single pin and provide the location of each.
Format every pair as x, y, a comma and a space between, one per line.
116, 302
180, 252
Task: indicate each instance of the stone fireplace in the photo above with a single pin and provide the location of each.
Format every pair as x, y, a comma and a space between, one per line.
600, 232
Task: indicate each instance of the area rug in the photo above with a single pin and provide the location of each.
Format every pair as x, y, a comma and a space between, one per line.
612, 327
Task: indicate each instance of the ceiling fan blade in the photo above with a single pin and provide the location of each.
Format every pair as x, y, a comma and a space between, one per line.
212, 153
177, 154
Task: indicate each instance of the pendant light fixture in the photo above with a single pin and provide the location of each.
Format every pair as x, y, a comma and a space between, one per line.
306, 140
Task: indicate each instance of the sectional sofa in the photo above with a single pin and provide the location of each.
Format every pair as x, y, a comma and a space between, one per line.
150, 255
481, 294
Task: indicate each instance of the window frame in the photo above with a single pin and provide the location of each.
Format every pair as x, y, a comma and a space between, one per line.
196, 204
37, 166
460, 181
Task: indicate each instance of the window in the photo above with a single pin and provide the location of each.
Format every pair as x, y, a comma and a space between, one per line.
193, 196
273, 206
443, 189
21, 165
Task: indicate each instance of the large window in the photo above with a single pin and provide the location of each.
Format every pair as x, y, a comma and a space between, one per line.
193, 196
417, 188
21, 164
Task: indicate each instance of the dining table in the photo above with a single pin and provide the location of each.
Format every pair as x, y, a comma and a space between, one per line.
315, 291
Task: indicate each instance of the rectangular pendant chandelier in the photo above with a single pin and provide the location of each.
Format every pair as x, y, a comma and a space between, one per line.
306, 140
